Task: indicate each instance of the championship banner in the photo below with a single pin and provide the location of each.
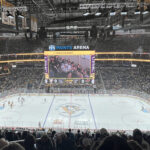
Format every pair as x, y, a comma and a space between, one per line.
33, 23
7, 20
12, 21
24, 22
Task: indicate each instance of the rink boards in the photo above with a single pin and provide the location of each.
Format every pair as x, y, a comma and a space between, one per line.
63, 111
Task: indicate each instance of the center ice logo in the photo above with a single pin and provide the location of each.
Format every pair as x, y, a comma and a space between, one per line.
70, 110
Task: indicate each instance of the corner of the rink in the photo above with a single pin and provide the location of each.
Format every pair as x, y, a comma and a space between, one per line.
145, 110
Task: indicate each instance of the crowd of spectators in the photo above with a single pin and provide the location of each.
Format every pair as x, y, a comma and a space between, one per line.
111, 77
4, 70
20, 78
123, 77
73, 140
108, 78
65, 68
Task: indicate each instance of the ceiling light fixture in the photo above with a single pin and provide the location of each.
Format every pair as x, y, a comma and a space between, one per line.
88, 12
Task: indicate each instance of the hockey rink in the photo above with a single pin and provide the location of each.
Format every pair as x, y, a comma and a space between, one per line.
115, 112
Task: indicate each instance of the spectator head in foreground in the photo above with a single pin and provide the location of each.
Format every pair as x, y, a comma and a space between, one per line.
134, 145
45, 143
114, 142
137, 136
13, 146
3, 143
103, 132
29, 142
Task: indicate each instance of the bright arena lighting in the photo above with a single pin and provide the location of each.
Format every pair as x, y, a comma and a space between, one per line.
112, 13
145, 12
137, 13
86, 14
98, 14
11, 17
21, 16
123, 13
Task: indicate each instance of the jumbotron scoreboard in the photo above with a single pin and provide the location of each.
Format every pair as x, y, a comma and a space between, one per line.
69, 67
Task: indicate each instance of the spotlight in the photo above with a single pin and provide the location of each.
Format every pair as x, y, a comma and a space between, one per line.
88, 12
99, 12
112, 12
124, 11
137, 11
147, 10
19, 14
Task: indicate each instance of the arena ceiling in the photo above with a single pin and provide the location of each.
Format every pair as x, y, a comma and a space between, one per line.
62, 13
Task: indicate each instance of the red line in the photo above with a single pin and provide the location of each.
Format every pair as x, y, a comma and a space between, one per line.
70, 112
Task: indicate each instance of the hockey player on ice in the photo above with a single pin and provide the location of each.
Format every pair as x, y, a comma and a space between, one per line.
3, 105
11, 105
39, 124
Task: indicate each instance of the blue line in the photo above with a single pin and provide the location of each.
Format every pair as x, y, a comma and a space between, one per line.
92, 112
48, 111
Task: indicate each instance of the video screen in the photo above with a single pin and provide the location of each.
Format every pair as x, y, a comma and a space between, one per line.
66, 66
69, 66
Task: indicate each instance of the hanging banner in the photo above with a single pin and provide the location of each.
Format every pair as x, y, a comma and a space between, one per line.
24, 22
33, 23
12, 21
7, 20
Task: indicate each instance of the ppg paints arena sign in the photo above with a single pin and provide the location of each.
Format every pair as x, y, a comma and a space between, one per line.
75, 47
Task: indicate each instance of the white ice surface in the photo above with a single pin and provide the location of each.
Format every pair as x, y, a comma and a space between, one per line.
116, 112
